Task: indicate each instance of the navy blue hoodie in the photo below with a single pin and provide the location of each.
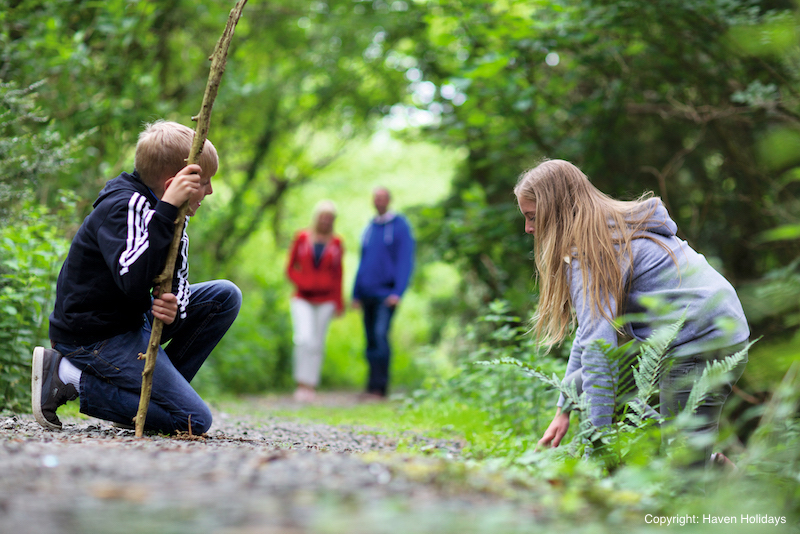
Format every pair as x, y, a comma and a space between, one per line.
104, 286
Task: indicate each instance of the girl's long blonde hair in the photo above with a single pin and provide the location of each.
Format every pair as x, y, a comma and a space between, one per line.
575, 220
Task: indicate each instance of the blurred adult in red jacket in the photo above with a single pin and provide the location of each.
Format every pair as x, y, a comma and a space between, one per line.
315, 268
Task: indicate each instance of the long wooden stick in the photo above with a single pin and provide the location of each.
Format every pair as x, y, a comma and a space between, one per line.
218, 61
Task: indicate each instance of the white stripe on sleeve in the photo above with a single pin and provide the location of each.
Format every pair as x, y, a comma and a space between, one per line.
138, 239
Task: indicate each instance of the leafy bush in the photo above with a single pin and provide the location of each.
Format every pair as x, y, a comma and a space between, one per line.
516, 409
514, 383
255, 356
31, 252
30, 147
32, 242
631, 391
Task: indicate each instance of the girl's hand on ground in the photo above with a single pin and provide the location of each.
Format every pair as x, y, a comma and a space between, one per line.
556, 431
165, 308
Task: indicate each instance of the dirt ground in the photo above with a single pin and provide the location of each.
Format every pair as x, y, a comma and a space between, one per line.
248, 475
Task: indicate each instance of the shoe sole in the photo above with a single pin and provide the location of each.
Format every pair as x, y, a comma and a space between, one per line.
36, 389
123, 426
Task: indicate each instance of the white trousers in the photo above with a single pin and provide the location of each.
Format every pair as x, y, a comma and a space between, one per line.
310, 322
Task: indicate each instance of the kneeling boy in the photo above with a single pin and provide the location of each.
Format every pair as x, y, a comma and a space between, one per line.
105, 303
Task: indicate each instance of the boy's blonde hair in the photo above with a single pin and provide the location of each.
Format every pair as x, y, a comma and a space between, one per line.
575, 220
163, 149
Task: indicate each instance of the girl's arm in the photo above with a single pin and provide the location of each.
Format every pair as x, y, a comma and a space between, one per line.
599, 375
573, 364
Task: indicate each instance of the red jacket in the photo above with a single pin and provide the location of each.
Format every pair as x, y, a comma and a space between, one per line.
316, 284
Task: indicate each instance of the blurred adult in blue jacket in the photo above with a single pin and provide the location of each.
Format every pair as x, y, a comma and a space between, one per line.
387, 260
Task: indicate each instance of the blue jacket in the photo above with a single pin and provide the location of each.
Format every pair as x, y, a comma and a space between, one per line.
387, 258
104, 286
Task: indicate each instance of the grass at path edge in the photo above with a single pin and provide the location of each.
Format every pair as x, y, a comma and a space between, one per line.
448, 420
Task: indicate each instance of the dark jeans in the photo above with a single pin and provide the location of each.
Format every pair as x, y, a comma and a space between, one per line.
677, 384
112, 373
377, 320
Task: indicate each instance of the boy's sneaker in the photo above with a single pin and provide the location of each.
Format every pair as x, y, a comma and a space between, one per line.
123, 426
48, 391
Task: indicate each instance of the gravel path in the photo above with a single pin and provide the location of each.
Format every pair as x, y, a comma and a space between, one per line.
265, 475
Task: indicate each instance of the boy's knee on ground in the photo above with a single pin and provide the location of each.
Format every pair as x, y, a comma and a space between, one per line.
201, 421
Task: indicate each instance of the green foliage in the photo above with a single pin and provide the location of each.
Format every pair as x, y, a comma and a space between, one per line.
31, 251
31, 150
32, 235
772, 456
255, 356
105, 65
769, 361
580, 495
631, 390
516, 410
345, 365
712, 376
632, 413
676, 97
303, 78
652, 359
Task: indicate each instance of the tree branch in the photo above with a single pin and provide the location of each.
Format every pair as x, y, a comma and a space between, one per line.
218, 61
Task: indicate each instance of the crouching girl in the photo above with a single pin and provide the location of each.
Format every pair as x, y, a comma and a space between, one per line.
599, 259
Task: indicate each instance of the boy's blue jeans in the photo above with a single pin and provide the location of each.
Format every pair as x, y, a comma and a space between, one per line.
377, 320
112, 373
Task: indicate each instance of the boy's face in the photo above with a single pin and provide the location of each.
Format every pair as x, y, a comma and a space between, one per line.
197, 198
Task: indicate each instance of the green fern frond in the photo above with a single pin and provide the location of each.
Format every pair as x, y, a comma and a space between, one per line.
528, 369
712, 375
652, 359
569, 390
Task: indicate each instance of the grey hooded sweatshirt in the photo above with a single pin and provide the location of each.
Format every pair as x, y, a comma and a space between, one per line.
661, 292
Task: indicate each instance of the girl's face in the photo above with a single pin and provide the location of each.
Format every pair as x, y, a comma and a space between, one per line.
528, 209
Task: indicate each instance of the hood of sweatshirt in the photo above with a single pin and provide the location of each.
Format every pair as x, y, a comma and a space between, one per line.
124, 183
659, 221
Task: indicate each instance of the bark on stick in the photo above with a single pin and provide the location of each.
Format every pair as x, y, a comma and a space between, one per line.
218, 61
